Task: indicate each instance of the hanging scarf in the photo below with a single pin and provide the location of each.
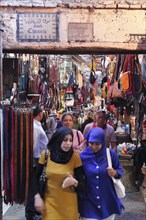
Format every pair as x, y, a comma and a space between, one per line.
57, 155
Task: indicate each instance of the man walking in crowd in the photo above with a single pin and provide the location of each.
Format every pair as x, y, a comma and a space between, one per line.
89, 119
40, 142
40, 139
100, 121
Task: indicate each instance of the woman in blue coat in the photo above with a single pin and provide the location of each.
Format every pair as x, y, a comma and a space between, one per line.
99, 200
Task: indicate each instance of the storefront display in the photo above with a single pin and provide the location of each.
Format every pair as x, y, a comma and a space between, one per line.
59, 84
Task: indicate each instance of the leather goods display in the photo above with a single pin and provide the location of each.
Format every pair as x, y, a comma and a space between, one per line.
18, 153
115, 96
92, 77
137, 82
119, 187
127, 75
114, 92
126, 81
43, 178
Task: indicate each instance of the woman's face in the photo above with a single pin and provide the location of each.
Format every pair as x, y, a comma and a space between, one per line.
67, 143
67, 121
95, 147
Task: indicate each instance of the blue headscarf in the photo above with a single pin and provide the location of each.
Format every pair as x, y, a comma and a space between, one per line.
95, 135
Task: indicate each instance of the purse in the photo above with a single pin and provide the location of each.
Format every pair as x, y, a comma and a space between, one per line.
92, 77
43, 178
114, 91
118, 185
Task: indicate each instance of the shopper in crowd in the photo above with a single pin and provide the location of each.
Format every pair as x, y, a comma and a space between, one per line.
65, 178
88, 120
78, 138
99, 199
40, 142
139, 161
40, 139
100, 121
51, 126
76, 124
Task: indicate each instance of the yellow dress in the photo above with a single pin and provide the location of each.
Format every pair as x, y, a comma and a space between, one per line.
60, 204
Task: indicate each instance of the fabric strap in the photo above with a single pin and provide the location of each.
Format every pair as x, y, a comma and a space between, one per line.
78, 138
109, 157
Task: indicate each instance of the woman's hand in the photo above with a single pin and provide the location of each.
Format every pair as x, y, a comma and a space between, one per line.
77, 151
69, 181
39, 204
111, 172
81, 147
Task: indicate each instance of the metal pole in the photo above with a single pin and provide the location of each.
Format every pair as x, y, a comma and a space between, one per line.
1, 99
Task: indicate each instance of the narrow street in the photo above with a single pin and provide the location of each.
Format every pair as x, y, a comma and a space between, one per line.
135, 209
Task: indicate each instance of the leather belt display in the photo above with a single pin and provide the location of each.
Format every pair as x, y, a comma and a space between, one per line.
18, 153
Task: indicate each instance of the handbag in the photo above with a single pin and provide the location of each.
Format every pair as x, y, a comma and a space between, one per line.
118, 185
114, 91
92, 77
43, 178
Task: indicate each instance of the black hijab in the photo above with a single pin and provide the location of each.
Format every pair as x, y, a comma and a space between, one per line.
57, 155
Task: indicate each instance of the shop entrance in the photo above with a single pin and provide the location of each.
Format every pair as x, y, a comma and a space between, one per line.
79, 83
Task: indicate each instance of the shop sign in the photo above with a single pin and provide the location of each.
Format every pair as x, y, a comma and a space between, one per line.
80, 32
37, 27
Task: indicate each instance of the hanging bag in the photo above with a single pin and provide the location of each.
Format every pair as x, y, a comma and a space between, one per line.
118, 185
137, 78
92, 77
115, 96
43, 178
126, 78
114, 91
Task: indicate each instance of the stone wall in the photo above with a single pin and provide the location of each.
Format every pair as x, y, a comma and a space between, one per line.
131, 4
79, 26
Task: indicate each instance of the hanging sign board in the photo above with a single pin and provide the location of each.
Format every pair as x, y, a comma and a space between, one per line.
37, 27
82, 32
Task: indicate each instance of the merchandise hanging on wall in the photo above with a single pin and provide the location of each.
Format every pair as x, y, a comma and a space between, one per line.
17, 152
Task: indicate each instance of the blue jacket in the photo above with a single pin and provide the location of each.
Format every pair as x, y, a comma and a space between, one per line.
99, 199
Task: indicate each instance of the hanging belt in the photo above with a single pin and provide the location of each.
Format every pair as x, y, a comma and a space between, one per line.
12, 154
24, 159
17, 189
27, 154
20, 155
7, 140
31, 146
5, 154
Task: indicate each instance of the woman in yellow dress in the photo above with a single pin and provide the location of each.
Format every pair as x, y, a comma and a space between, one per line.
65, 178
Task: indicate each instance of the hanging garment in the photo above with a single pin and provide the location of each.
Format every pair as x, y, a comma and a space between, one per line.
18, 153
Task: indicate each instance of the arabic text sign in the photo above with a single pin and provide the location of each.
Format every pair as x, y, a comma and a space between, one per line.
37, 27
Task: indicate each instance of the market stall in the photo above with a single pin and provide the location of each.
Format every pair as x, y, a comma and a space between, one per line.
57, 83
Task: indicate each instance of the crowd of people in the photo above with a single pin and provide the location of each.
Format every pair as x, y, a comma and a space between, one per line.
79, 183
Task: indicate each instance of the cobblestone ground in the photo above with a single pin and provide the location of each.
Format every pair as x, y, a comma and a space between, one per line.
135, 209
